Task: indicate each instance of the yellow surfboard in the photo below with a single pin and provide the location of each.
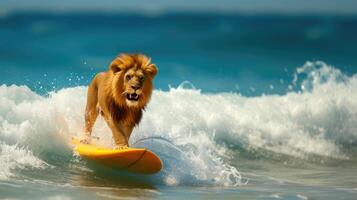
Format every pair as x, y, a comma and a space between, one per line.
138, 160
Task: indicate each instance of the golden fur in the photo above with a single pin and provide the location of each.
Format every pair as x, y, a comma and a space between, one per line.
120, 95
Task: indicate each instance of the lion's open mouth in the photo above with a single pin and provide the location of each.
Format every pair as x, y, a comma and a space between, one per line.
132, 97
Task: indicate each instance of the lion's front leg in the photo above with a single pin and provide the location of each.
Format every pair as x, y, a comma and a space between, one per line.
91, 111
120, 139
119, 136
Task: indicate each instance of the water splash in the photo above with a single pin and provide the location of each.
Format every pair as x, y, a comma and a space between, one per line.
203, 129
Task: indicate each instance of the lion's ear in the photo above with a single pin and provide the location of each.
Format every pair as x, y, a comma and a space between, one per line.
120, 63
115, 67
151, 70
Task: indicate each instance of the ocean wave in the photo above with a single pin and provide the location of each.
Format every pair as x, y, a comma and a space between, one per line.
200, 131
318, 119
15, 157
44, 126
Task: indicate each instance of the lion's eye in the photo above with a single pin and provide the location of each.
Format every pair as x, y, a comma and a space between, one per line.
141, 78
128, 77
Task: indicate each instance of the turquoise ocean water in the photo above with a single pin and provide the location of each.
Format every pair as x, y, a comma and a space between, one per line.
244, 107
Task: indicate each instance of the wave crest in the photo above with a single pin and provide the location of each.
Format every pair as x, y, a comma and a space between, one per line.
203, 129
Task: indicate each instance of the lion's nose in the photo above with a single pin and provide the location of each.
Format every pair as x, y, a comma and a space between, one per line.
135, 87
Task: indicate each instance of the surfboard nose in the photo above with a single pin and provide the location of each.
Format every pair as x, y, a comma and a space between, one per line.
140, 165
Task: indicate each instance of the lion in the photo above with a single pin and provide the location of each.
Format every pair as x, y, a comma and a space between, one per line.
120, 95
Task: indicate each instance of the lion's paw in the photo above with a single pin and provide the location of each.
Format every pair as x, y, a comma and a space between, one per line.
121, 147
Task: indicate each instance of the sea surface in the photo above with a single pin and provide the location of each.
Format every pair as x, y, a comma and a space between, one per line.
244, 106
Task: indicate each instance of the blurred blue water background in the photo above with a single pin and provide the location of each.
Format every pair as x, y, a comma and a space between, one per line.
249, 54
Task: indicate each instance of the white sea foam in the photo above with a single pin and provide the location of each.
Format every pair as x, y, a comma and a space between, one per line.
318, 120
15, 157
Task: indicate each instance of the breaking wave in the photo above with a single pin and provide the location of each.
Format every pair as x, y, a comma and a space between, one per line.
196, 134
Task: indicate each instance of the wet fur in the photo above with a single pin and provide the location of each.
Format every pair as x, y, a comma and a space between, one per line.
107, 95
125, 115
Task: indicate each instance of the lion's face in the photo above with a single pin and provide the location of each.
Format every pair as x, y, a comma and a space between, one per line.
132, 81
